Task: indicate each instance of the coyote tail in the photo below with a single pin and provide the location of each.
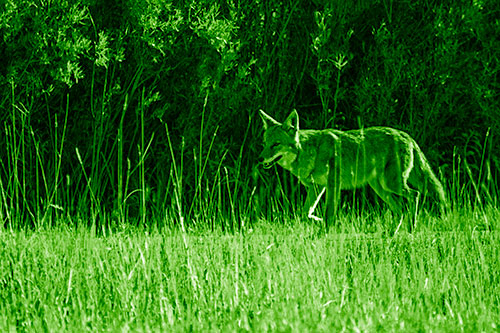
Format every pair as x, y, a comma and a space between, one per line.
432, 183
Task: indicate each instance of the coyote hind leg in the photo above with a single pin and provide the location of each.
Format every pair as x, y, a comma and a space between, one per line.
394, 191
390, 198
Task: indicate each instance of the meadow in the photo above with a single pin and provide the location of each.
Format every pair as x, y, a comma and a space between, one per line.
276, 276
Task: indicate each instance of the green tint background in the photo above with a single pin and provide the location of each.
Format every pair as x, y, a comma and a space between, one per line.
130, 195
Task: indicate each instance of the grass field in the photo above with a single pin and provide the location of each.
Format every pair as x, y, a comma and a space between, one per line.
272, 277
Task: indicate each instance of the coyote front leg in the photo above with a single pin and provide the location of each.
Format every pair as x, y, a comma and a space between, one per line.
312, 201
332, 201
333, 185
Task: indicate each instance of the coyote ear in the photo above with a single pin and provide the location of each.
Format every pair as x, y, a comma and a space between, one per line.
292, 120
267, 119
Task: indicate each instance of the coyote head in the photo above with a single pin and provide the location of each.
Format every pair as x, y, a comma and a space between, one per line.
281, 141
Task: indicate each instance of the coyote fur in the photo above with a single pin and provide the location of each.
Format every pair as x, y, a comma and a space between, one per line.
387, 159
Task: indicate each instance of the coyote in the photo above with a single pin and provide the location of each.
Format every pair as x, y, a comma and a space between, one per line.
387, 159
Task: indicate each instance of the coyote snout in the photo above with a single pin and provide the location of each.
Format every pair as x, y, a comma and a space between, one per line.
386, 159
271, 157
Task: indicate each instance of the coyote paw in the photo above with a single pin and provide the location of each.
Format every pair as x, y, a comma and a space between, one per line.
314, 217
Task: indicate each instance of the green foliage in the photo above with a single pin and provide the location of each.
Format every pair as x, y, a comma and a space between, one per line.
44, 44
89, 88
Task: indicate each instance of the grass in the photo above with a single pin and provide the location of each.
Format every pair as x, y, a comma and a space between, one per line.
276, 276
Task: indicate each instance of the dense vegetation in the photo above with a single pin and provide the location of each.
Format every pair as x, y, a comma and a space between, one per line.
131, 198
99, 98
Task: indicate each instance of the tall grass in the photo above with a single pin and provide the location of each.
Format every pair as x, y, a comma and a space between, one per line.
124, 209
222, 200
